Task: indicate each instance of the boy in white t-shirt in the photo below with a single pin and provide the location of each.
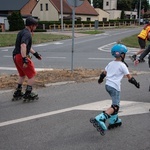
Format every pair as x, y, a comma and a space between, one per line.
114, 72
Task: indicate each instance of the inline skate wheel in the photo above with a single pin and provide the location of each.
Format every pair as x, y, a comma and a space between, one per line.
92, 120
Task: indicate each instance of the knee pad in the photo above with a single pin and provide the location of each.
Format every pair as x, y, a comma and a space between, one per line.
116, 109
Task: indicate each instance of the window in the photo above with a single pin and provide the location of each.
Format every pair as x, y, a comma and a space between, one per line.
46, 7
88, 19
107, 3
41, 7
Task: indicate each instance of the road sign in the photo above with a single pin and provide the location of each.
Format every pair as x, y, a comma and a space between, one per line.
75, 3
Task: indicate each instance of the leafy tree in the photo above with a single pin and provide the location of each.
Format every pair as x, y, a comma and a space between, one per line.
124, 5
15, 21
97, 3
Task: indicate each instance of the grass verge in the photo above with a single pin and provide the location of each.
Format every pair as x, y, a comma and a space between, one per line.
9, 39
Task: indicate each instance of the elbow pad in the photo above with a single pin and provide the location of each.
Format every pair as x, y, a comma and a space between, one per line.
101, 78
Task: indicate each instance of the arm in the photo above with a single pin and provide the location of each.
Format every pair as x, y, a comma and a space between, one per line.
145, 53
24, 54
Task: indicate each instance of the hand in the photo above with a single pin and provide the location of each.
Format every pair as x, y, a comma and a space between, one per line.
25, 62
25, 65
37, 55
136, 62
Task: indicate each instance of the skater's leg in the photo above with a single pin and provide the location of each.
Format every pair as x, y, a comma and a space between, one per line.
18, 92
29, 95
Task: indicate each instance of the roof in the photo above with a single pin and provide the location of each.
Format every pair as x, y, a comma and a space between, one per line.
84, 9
6, 5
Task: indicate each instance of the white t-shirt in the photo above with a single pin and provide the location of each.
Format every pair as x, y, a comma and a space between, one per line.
115, 72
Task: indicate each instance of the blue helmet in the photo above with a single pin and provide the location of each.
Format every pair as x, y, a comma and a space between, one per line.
118, 49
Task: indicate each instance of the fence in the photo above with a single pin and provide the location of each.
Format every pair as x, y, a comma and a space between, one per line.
92, 25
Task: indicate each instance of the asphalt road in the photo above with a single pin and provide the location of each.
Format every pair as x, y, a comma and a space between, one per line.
59, 120
89, 52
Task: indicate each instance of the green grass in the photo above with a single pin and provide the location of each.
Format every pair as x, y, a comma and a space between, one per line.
131, 41
92, 32
9, 39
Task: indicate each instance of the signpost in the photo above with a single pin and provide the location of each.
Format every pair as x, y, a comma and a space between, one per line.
73, 4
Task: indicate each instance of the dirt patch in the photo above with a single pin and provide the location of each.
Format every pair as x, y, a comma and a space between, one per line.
45, 77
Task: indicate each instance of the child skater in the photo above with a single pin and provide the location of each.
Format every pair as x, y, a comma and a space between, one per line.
114, 72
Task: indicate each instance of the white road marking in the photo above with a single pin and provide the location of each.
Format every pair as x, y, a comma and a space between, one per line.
12, 68
56, 57
102, 34
107, 48
127, 108
7, 56
4, 50
104, 59
58, 43
39, 45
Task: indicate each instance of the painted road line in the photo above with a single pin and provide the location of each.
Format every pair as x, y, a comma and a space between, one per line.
7, 56
39, 45
4, 50
58, 43
37, 69
56, 57
127, 108
107, 48
104, 59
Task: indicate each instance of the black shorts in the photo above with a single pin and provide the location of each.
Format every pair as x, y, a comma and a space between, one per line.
142, 43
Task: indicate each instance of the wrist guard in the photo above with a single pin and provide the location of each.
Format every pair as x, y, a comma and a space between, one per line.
25, 60
133, 81
101, 78
38, 56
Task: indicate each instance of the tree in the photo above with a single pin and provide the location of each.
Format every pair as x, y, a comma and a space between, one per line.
124, 5
122, 16
97, 3
15, 21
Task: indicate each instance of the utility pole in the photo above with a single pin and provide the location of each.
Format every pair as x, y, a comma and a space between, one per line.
61, 5
139, 12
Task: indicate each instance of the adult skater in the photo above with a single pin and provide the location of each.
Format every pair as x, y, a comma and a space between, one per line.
114, 72
142, 38
23, 63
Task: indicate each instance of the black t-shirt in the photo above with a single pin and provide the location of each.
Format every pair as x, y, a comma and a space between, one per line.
24, 36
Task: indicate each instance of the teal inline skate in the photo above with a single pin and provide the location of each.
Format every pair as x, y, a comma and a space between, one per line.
99, 122
114, 122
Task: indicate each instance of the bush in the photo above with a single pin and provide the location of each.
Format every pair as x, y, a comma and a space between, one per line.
40, 30
15, 22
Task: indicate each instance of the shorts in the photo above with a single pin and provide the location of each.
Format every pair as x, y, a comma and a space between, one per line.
142, 43
114, 94
29, 71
